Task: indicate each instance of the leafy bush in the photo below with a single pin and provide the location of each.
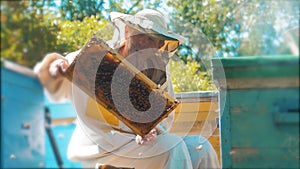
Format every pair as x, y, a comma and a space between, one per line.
27, 33
188, 77
74, 34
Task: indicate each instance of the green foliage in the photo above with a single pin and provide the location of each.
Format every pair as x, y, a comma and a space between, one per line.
74, 34
269, 27
237, 27
188, 77
195, 19
31, 29
78, 9
27, 33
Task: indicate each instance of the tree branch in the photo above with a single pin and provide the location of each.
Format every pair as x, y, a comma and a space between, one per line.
134, 5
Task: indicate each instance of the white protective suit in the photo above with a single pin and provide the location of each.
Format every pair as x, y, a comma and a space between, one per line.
94, 141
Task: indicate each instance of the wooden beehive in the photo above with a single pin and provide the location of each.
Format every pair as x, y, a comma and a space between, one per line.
259, 104
198, 114
22, 119
93, 70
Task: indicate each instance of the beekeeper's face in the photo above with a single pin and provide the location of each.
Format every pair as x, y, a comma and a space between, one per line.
138, 41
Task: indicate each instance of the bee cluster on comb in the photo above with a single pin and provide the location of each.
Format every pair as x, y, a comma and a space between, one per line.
141, 106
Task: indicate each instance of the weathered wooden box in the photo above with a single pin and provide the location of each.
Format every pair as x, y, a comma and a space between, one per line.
24, 142
198, 114
22, 118
259, 106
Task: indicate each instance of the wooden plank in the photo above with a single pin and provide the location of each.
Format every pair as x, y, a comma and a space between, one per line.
215, 142
265, 157
199, 95
15, 79
225, 128
246, 61
256, 67
190, 117
64, 121
22, 70
20, 93
250, 83
254, 116
200, 111
196, 116
196, 107
263, 71
183, 128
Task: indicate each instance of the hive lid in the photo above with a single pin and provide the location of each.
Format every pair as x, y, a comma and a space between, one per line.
257, 67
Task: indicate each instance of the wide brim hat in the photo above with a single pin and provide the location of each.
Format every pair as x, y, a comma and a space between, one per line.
149, 22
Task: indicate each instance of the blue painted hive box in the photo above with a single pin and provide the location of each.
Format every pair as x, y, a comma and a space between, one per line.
24, 140
22, 118
259, 106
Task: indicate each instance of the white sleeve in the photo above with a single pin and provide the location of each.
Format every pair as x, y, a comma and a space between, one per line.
63, 87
